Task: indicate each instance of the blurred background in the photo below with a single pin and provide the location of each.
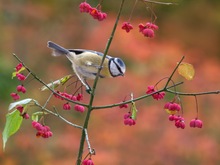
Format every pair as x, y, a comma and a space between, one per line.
191, 28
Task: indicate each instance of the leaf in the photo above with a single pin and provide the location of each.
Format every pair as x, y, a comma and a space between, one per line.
133, 111
13, 123
28, 101
186, 70
65, 79
35, 116
56, 83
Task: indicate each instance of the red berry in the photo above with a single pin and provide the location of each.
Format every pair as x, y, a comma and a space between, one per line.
85, 7
25, 116
79, 108
87, 162
127, 27
148, 33
141, 27
18, 67
79, 97
21, 88
15, 96
20, 108
20, 77
66, 106
196, 123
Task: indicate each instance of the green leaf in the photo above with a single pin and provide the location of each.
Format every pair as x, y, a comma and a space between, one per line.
65, 79
13, 123
35, 116
28, 101
133, 111
56, 83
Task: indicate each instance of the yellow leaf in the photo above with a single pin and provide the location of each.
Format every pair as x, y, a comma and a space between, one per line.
186, 70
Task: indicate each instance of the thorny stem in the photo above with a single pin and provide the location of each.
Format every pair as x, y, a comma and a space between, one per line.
90, 107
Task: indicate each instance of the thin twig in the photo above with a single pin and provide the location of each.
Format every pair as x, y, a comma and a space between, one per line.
134, 99
59, 116
194, 94
173, 72
161, 3
42, 82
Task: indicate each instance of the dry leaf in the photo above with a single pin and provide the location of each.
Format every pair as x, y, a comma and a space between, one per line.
186, 70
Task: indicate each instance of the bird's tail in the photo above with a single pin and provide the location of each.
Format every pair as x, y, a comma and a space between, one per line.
57, 49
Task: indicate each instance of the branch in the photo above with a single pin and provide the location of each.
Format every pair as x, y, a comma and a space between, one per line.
169, 79
42, 82
194, 94
90, 107
59, 116
135, 99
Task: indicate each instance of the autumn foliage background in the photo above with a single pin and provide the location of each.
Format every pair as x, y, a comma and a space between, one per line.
191, 28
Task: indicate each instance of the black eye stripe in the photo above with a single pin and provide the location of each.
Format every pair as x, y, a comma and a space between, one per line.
118, 67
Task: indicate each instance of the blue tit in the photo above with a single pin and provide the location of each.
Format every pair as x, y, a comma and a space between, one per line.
85, 63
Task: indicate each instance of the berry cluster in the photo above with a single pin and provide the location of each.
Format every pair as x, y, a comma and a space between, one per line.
87, 162
172, 107
20, 88
157, 96
147, 30
179, 121
94, 12
128, 120
67, 105
42, 130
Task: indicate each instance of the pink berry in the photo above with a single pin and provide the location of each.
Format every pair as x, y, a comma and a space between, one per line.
21, 88
25, 116
123, 106
150, 89
141, 27
85, 7
87, 162
79, 108
196, 123
20, 108
15, 96
20, 77
148, 33
151, 26
127, 27
66, 106
74, 98
79, 97
18, 67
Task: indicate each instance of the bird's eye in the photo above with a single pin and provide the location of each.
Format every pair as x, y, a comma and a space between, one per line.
120, 62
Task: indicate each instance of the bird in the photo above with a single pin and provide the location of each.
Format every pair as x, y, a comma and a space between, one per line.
86, 63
